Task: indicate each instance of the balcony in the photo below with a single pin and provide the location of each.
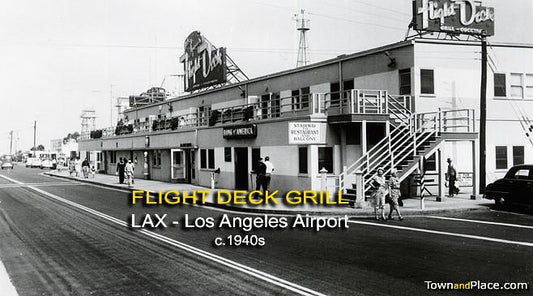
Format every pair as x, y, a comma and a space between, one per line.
333, 105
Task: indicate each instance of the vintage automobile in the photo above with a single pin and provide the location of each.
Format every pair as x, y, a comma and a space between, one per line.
515, 187
7, 162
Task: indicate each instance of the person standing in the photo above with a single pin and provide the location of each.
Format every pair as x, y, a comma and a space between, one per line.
269, 169
451, 177
77, 166
260, 172
85, 167
394, 194
129, 170
378, 196
120, 170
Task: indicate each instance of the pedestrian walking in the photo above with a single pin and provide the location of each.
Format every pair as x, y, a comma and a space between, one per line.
378, 196
451, 177
71, 167
129, 169
269, 169
120, 170
394, 194
77, 166
85, 167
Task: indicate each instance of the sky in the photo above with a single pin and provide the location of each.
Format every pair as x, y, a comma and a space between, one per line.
59, 57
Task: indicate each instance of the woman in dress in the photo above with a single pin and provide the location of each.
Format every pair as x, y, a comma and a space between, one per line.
380, 190
394, 194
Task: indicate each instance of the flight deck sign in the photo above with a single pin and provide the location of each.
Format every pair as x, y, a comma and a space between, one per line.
204, 65
453, 16
305, 133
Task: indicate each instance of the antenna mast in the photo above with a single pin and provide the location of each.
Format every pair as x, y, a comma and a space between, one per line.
303, 27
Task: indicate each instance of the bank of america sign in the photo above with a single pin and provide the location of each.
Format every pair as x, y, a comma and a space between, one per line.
453, 16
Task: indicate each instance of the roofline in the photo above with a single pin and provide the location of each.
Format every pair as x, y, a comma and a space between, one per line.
335, 60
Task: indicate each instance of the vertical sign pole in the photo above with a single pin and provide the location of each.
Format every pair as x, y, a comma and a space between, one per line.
483, 118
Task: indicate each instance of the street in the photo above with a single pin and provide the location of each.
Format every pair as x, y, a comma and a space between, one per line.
61, 237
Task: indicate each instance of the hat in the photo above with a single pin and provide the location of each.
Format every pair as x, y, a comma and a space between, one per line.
393, 171
449, 160
267, 158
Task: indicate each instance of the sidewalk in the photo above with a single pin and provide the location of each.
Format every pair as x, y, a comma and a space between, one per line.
410, 207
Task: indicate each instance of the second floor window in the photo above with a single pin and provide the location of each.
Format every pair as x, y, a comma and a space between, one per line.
427, 82
405, 81
499, 85
521, 85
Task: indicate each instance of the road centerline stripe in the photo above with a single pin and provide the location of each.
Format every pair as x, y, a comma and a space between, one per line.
470, 236
207, 255
481, 222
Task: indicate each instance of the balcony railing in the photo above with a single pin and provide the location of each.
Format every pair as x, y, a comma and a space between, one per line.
271, 107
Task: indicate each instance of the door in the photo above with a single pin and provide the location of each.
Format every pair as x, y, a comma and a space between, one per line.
177, 159
241, 168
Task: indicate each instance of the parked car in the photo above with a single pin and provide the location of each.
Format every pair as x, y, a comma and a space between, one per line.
7, 162
36, 163
46, 164
29, 160
515, 187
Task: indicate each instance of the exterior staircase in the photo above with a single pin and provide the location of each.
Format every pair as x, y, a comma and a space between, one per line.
412, 136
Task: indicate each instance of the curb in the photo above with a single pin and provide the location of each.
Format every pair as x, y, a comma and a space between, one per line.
364, 214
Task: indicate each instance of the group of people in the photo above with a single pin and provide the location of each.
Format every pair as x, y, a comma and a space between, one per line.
263, 172
77, 167
125, 171
386, 191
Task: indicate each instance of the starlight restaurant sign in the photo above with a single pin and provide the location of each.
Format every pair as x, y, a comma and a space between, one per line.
204, 65
307, 133
453, 16
244, 131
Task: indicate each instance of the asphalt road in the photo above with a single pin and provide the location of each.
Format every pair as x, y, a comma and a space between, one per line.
61, 237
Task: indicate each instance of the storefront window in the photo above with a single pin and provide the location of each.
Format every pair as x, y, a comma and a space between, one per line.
325, 159
211, 158
227, 154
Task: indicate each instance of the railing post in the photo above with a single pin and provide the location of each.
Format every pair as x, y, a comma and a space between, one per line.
323, 180
414, 135
440, 120
364, 103
355, 100
359, 189
386, 97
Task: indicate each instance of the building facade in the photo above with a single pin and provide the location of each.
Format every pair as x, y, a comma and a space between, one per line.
409, 105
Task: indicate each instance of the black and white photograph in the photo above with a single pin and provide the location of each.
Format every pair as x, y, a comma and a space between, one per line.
266, 147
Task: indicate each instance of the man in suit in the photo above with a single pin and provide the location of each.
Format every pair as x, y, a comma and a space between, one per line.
451, 176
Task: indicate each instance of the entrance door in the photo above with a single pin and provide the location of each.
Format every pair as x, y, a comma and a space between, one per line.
241, 168
177, 159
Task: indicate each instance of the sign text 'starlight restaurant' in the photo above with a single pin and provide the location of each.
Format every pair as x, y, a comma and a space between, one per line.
453, 16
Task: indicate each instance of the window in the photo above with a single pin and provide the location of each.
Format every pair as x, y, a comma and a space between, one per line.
227, 154
325, 159
334, 89
156, 158
302, 160
211, 158
427, 85
517, 90
405, 81
521, 85
522, 174
275, 105
501, 157
499, 85
207, 158
518, 155
113, 156
347, 85
300, 98
264, 106
203, 159
305, 96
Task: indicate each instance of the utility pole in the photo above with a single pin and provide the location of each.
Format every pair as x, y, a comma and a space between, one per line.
34, 138
303, 27
483, 118
11, 143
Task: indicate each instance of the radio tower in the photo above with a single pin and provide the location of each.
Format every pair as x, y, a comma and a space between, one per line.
303, 26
